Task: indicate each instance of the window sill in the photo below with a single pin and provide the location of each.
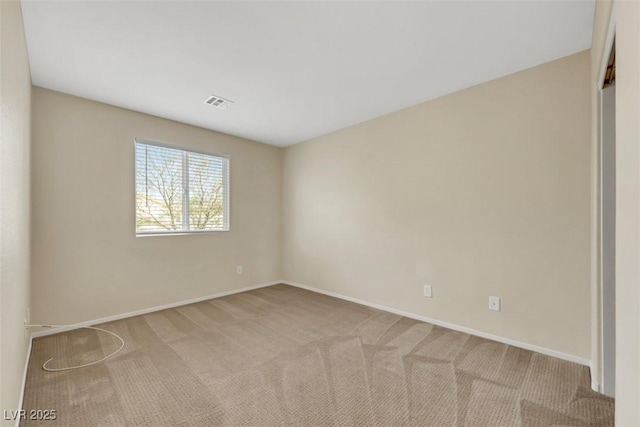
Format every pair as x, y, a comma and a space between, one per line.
179, 233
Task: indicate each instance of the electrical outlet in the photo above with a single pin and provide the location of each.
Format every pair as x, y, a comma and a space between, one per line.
494, 303
239, 269
427, 291
27, 322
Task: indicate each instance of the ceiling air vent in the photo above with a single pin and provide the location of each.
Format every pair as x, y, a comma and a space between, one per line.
218, 102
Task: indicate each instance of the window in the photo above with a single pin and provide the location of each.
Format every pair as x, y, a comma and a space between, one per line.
179, 191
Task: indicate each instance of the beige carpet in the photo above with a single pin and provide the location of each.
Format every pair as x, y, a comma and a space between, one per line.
282, 355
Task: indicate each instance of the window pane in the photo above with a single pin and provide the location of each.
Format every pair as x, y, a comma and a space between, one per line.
207, 192
180, 191
159, 188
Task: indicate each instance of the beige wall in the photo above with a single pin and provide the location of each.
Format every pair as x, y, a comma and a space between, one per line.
627, 213
482, 192
88, 262
15, 106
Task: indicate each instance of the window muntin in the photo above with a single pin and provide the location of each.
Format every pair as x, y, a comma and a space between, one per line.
180, 191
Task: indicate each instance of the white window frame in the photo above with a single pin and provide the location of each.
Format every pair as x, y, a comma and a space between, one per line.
227, 182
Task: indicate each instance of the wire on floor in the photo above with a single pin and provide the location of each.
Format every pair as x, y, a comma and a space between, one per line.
68, 368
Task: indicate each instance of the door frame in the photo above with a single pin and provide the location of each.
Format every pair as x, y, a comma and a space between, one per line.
611, 32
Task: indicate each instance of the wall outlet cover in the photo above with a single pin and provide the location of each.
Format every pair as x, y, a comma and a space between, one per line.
427, 291
494, 303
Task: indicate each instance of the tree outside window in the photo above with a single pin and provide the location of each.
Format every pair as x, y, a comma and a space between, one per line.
180, 191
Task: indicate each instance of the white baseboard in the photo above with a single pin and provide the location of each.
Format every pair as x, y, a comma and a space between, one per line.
24, 380
470, 331
526, 346
51, 331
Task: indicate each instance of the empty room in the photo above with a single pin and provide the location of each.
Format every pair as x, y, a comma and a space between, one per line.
320, 213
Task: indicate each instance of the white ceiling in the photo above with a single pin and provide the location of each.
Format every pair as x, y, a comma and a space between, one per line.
295, 70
